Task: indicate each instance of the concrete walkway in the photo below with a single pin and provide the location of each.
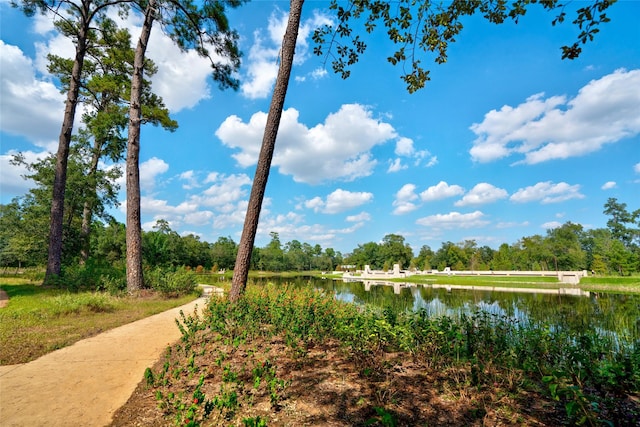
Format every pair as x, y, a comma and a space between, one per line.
84, 384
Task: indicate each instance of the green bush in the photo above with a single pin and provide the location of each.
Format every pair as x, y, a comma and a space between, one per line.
171, 283
93, 275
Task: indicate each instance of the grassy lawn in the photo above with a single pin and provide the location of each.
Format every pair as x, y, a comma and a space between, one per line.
38, 320
506, 281
611, 284
593, 283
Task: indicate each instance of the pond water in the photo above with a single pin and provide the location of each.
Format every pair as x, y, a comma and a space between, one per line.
613, 315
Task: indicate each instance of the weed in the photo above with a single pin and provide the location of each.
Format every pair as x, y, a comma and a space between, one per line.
149, 377
228, 375
254, 422
383, 417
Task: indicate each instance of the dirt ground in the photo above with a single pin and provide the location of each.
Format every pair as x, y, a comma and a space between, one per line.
328, 388
84, 384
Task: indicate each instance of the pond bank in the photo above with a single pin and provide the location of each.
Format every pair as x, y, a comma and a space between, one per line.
398, 286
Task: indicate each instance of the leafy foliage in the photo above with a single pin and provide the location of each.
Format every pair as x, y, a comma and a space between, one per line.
430, 26
172, 283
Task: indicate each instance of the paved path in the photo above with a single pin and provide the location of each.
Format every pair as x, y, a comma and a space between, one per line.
84, 384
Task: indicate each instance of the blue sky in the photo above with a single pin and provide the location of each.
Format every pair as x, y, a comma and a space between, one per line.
507, 140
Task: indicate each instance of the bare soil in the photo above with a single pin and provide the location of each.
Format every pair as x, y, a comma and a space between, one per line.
328, 387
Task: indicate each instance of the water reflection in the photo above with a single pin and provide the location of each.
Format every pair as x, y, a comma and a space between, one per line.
610, 315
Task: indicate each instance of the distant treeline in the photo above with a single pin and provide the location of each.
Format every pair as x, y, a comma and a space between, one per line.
611, 250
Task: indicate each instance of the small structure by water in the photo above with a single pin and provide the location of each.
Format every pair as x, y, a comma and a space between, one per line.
398, 286
569, 277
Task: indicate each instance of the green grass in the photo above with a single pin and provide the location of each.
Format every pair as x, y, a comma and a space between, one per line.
38, 319
597, 284
510, 281
613, 284
612, 280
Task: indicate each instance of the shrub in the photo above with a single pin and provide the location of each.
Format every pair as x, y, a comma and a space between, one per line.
94, 275
171, 283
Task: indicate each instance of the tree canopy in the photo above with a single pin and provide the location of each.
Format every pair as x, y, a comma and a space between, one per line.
428, 27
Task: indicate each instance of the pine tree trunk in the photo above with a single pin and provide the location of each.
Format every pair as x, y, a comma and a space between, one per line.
54, 259
245, 247
134, 227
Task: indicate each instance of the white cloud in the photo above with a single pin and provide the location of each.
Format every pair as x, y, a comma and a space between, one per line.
26, 96
222, 203
316, 204
404, 201
404, 147
396, 166
547, 192
12, 182
454, 220
158, 207
339, 201
56, 44
262, 69
182, 77
232, 216
42, 24
291, 226
224, 192
263, 57
149, 171
190, 179
603, 112
433, 160
502, 225
551, 225
337, 149
361, 217
608, 185
198, 218
27, 89
441, 190
319, 73
636, 168
286, 225
482, 193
